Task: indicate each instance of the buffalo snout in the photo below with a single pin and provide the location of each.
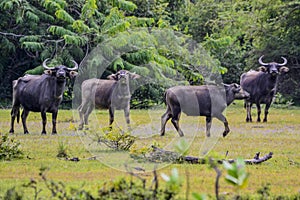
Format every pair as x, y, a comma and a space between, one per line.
241, 94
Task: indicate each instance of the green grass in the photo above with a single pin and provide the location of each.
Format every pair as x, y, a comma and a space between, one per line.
280, 135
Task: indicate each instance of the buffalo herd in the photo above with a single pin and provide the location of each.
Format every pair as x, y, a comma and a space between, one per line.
43, 93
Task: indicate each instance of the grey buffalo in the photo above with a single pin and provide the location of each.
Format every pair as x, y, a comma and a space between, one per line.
112, 94
206, 100
262, 85
40, 93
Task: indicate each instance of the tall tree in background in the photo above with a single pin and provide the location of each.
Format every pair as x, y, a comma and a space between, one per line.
65, 30
234, 32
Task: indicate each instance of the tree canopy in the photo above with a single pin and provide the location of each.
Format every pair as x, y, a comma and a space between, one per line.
154, 38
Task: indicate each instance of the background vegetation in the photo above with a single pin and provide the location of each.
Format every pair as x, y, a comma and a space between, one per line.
234, 33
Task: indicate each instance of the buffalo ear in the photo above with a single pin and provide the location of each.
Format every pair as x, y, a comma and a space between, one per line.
283, 69
262, 69
73, 74
236, 85
134, 76
113, 77
48, 71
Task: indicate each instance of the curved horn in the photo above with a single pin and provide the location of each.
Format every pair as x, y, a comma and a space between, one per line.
75, 66
261, 62
284, 62
45, 65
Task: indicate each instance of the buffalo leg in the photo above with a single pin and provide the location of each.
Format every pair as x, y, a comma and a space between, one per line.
82, 109
208, 126
267, 111
111, 116
127, 116
87, 114
12, 122
44, 121
164, 119
258, 112
81, 114
175, 120
248, 107
24, 117
14, 112
224, 120
54, 117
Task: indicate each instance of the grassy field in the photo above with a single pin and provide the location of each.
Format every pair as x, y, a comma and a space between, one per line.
280, 135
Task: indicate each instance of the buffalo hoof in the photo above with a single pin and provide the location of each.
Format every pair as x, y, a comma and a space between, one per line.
54, 133
258, 120
26, 132
43, 133
11, 131
248, 120
225, 133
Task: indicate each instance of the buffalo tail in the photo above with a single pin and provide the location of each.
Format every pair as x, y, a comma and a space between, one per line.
16, 112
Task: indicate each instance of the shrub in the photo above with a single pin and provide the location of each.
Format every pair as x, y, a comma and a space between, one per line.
9, 148
116, 139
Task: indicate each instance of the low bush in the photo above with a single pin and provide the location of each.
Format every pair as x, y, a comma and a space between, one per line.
9, 148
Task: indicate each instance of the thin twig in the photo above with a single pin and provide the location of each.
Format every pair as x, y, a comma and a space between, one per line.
12, 34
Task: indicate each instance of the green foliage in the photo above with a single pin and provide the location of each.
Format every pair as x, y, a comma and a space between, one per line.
62, 151
117, 189
236, 173
264, 191
126, 5
235, 33
9, 148
64, 16
115, 139
174, 182
283, 102
13, 194
89, 9
199, 196
182, 147
36, 71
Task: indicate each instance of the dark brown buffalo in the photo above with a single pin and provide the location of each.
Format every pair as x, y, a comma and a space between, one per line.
113, 94
206, 100
262, 85
40, 93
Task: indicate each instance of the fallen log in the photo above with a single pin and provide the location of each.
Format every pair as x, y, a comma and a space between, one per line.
162, 155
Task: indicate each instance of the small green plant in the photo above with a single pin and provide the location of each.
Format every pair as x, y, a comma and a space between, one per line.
236, 174
115, 139
9, 148
197, 196
182, 147
117, 189
12, 193
174, 183
282, 102
62, 150
265, 191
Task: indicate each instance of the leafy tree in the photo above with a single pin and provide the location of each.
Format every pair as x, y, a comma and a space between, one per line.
65, 30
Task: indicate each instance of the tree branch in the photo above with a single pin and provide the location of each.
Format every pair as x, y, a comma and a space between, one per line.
11, 34
167, 156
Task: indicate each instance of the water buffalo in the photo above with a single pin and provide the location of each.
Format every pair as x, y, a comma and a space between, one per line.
262, 85
112, 94
206, 100
40, 93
